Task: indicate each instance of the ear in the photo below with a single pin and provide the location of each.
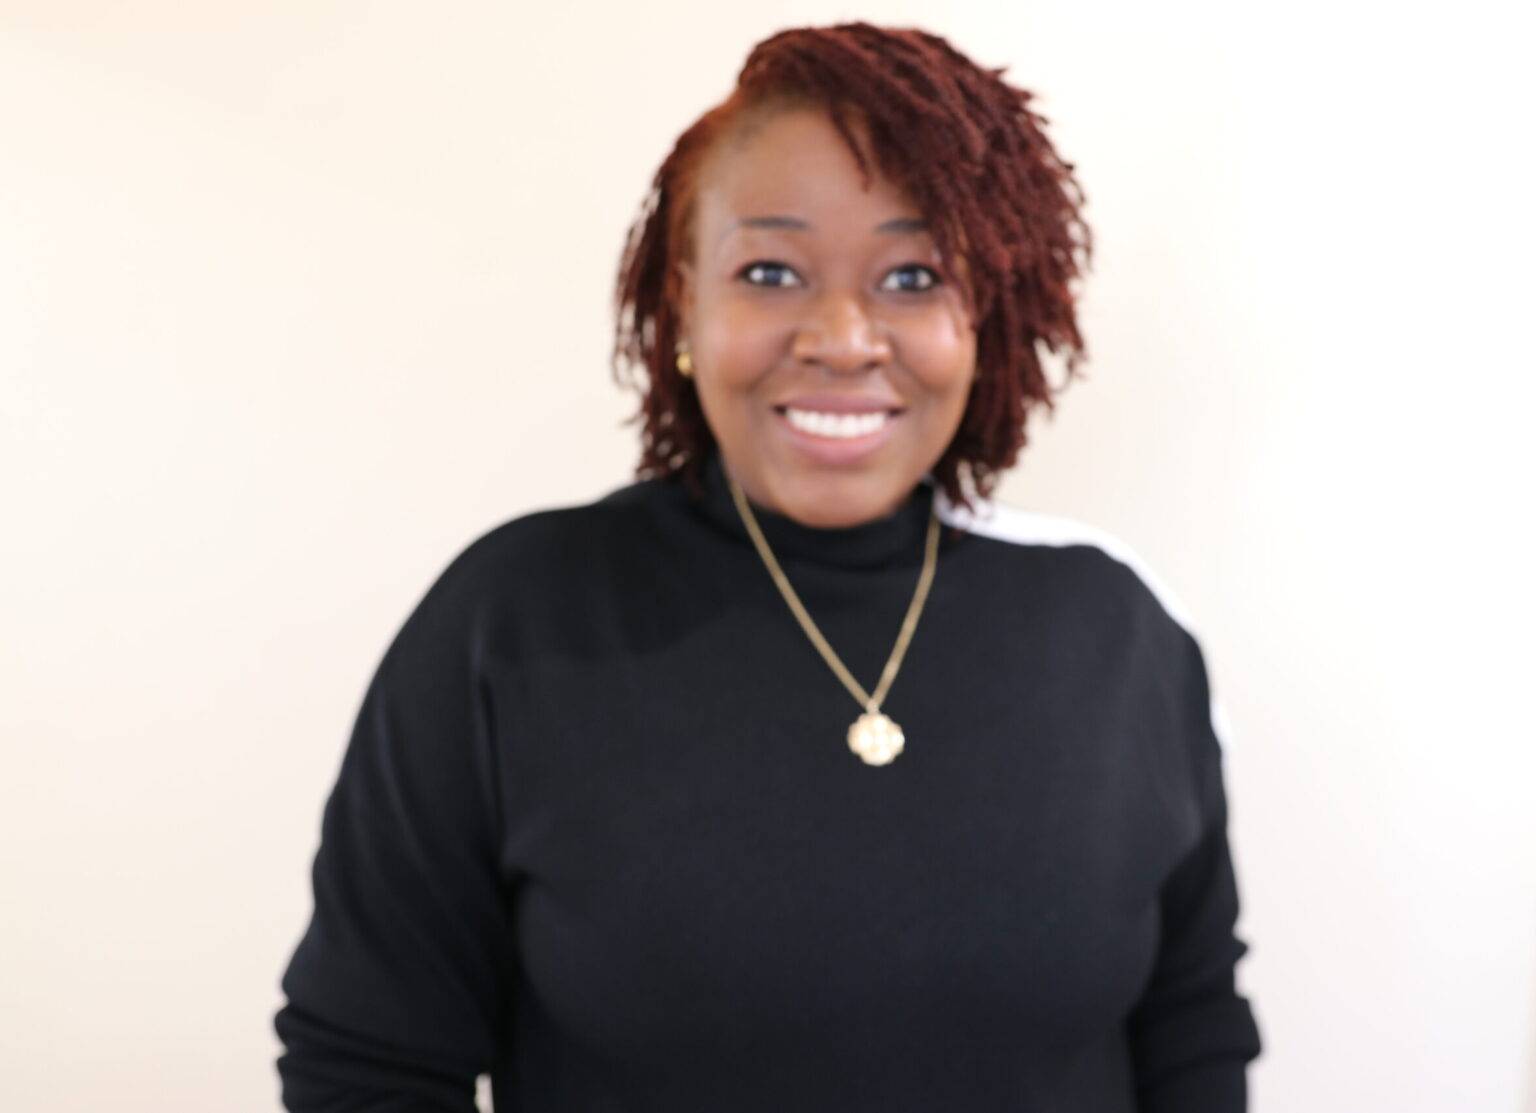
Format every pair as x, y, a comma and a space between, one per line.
683, 309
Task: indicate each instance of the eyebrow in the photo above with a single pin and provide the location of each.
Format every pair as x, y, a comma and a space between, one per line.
901, 224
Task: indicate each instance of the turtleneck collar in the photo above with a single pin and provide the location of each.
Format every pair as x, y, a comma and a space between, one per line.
895, 539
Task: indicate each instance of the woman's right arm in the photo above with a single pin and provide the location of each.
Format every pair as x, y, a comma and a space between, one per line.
395, 993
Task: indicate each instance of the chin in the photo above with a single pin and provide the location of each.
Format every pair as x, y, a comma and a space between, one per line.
840, 502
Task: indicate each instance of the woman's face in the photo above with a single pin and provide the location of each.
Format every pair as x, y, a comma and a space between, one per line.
832, 356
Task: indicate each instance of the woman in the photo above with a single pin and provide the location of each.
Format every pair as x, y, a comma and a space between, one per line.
621, 825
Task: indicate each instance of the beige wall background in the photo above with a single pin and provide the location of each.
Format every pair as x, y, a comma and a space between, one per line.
297, 298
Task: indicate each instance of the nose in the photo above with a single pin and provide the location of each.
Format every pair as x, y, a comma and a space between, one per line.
840, 334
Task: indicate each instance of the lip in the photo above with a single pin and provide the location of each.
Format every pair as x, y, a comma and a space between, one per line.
836, 451
841, 403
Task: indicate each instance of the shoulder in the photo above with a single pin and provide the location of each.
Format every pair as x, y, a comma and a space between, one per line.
555, 537
532, 559
1099, 561
1094, 545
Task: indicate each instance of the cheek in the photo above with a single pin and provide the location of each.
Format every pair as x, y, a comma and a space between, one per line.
941, 352
738, 342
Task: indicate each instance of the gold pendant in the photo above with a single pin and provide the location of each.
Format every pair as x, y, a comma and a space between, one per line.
876, 738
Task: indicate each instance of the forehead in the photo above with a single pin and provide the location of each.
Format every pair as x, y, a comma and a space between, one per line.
795, 163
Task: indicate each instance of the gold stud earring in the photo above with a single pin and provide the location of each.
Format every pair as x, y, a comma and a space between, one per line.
684, 361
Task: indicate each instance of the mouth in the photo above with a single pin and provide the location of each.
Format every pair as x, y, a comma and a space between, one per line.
837, 437
837, 425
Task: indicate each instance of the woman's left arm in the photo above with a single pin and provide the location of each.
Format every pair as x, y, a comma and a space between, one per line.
1191, 1033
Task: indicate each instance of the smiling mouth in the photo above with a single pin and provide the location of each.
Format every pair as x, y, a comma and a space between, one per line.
837, 426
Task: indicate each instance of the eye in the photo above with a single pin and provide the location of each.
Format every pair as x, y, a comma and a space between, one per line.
766, 272
925, 278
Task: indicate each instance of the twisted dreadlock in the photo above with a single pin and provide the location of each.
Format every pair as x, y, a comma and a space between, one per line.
1004, 208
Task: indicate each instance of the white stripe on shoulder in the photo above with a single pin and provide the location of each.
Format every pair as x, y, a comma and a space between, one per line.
1028, 527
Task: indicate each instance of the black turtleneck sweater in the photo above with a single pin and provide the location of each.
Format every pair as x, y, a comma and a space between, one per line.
598, 832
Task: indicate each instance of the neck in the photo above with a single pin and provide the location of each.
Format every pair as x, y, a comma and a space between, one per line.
893, 538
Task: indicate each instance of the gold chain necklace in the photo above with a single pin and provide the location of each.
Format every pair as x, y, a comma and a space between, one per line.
873, 736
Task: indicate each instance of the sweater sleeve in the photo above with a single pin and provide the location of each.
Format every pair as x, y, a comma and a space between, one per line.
394, 993
1191, 1033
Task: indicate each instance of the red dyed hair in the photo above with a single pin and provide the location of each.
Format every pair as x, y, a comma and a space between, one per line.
1004, 208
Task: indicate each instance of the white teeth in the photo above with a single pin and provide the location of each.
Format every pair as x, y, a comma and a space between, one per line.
836, 425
